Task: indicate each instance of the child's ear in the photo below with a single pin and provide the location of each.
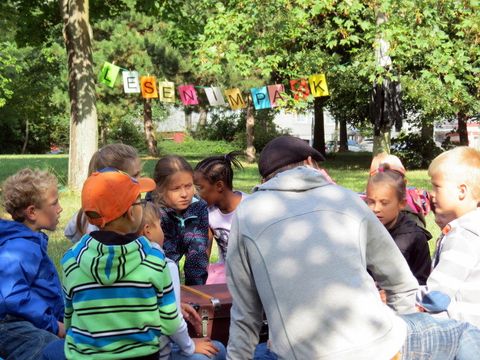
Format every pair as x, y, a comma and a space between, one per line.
130, 213
146, 230
462, 191
403, 204
219, 186
31, 213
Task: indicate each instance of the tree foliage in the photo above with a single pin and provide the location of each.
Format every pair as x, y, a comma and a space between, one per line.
434, 46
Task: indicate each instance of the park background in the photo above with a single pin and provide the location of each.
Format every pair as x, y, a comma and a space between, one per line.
349, 169
399, 67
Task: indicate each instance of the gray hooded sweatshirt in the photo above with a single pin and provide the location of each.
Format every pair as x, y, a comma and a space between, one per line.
300, 248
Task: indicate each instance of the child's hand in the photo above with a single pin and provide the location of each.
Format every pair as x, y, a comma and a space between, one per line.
61, 330
190, 315
205, 346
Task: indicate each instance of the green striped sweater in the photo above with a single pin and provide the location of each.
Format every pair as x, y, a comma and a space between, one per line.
119, 299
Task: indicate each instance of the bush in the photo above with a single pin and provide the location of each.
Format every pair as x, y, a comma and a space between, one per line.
264, 130
414, 151
124, 130
231, 127
222, 126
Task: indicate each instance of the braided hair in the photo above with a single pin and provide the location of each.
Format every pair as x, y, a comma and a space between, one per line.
216, 168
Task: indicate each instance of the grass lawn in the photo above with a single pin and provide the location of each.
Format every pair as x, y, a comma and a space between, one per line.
348, 169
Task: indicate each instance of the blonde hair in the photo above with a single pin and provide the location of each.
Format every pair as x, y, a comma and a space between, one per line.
461, 164
165, 168
393, 163
151, 215
26, 187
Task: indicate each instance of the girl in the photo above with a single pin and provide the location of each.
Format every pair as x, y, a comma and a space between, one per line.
184, 218
386, 196
119, 156
418, 201
180, 345
213, 178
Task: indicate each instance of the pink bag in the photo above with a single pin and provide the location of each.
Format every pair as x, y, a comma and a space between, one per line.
418, 200
216, 274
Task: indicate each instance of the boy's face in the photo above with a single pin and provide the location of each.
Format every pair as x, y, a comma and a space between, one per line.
154, 233
137, 208
48, 215
445, 198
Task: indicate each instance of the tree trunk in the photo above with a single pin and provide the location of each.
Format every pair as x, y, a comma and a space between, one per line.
462, 129
381, 143
81, 89
343, 136
250, 152
319, 126
427, 130
103, 133
188, 120
202, 120
25, 142
149, 129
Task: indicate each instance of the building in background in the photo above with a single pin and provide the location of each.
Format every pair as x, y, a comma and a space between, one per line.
298, 124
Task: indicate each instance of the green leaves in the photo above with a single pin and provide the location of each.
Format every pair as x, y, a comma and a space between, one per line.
9, 67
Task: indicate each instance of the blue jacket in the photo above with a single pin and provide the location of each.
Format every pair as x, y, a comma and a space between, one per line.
29, 287
187, 234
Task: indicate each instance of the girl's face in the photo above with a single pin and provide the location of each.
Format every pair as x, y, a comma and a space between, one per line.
208, 192
134, 168
383, 200
179, 191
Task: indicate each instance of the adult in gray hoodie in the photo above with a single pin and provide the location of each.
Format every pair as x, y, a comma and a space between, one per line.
299, 249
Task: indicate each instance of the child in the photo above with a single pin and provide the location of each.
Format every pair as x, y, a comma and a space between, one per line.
31, 302
455, 279
386, 196
418, 201
213, 179
180, 346
119, 156
184, 217
118, 292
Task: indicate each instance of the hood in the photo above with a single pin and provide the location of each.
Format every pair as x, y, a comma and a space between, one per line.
405, 225
301, 178
13, 229
107, 264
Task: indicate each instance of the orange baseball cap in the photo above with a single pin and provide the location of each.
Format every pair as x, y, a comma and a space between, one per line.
109, 193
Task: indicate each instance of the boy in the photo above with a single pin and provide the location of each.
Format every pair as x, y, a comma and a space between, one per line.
118, 291
179, 345
31, 303
454, 282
